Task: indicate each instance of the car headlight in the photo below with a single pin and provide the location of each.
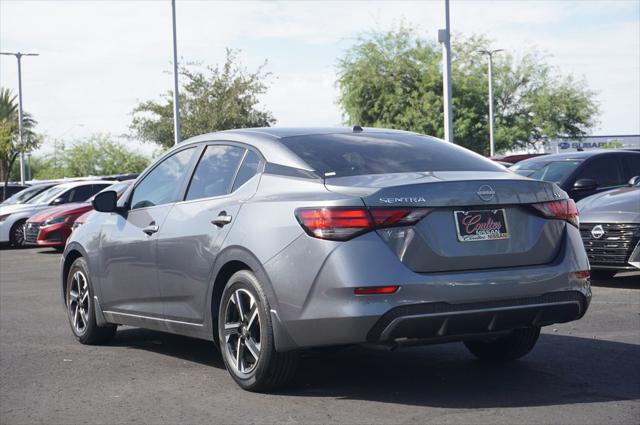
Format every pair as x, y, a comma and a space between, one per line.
3, 217
54, 220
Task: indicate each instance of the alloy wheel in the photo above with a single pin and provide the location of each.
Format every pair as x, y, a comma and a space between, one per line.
242, 331
18, 235
78, 302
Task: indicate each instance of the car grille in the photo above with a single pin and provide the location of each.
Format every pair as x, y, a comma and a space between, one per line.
31, 232
614, 246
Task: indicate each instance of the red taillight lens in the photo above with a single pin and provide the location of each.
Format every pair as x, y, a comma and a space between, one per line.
334, 223
582, 275
376, 290
339, 223
564, 209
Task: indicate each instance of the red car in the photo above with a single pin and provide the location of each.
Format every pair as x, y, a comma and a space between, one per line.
52, 227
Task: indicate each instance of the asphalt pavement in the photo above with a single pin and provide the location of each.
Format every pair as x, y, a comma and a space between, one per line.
584, 372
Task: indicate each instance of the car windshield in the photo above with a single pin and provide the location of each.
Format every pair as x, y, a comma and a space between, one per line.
24, 195
340, 155
551, 171
46, 195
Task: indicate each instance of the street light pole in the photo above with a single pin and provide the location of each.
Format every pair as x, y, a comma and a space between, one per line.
19, 56
444, 37
176, 101
490, 53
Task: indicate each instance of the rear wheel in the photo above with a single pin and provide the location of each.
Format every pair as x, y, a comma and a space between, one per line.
603, 274
246, 337
508, 348
16, 234
81, 307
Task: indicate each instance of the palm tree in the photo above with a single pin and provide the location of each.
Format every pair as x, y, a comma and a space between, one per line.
10, 145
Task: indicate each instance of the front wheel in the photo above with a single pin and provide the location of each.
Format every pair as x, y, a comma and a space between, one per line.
245, 333
81, 307
16, 234
508, 348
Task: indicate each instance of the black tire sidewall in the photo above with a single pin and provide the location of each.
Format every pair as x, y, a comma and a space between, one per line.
80, 264
247, 280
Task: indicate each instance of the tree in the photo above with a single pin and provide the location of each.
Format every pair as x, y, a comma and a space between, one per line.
218, 99
393, 79
10, 144
96, 155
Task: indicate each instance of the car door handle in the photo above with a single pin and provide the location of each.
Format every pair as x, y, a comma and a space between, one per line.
151, 229
221, 220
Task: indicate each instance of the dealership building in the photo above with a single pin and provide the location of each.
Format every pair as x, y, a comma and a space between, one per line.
593, 142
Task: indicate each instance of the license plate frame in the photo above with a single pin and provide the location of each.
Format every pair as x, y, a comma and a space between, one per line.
481, 225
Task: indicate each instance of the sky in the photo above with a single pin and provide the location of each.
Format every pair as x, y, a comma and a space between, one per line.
98, 59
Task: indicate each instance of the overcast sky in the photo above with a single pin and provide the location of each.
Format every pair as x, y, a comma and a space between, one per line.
99, 58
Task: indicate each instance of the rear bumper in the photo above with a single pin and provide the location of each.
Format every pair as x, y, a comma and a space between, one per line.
316, 305
457, 321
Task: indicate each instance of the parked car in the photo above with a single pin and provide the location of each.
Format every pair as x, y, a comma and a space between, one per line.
513, 159
52, 227
24, 195
10, 190
13, 217
268, 241
583, 174
610, 228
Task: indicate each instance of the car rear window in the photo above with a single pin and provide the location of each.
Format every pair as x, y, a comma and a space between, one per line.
340, 155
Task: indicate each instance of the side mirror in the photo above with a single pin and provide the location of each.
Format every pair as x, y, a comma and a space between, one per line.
634, 181
585, 184
105, 201
57, 201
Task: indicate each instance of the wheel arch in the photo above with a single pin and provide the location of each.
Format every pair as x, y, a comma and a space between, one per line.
229, 261
71, 253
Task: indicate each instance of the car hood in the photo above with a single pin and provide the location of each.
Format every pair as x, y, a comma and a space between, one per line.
61, 210
614, 206
20, 208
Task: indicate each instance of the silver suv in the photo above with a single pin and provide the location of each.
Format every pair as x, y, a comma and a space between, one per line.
270, 241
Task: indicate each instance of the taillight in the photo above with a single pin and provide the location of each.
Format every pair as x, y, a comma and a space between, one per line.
564, 209
340, 223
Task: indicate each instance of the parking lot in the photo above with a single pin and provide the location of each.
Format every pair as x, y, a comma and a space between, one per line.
581, 372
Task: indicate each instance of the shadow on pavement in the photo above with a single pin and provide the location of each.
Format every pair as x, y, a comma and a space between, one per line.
560, 370
622, 280
190, 349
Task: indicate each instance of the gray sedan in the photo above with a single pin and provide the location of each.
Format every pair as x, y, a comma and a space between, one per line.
610, 228
271, 241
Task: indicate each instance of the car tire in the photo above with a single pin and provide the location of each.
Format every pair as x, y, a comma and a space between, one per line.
505, 349
16, 234
81, 307
245, 332
603, 274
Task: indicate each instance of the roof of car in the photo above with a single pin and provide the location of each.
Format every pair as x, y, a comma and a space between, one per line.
70, 185
578, 155
267, 139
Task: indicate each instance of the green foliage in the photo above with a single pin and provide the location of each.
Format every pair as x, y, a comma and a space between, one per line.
10, 144
613, 144
393, 79
219, 98
93, 156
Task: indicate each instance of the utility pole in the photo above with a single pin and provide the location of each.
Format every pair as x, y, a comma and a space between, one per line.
444, 37
19, 56
490, 53
176, 101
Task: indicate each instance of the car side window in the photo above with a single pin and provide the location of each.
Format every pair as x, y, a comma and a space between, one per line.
162, 185
64, 198
605, 170
633, 165
215, 171
81, 193
248, 169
